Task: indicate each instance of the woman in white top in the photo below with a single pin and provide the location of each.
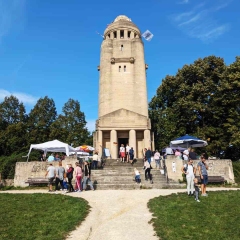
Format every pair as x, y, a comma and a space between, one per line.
189, 171
157, 158
122, 152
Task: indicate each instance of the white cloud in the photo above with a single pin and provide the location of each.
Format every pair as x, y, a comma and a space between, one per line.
91, 125
11, 16
22, 97
202, 23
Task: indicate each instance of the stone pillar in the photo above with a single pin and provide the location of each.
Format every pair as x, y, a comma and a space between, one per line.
132, 35
100, 142
153, 142
111, 35
118, 34
132, 141
125, 34
114, 145
147, 139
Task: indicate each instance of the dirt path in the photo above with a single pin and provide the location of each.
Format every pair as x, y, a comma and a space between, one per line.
118, 214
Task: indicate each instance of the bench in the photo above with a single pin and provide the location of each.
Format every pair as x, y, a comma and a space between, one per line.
213, 179
37, 181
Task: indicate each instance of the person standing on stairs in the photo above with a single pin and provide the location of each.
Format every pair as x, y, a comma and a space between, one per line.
127, 152
122, 153
148, 167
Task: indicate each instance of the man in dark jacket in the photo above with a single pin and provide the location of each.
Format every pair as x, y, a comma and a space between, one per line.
148, 155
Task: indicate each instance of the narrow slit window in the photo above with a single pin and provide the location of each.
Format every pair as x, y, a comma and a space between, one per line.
121, 33
108, 35
125, 68
129, 34
114, 34
119, 68
135, 35
121, 47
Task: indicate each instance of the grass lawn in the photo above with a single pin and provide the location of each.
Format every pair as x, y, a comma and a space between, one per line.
40, 216
179, 216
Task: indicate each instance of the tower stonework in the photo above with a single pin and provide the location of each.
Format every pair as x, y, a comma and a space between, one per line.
123, 107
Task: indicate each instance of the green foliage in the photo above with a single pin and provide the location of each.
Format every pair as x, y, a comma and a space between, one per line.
18, 130
40, 216
236, 171
203, 100
179, 216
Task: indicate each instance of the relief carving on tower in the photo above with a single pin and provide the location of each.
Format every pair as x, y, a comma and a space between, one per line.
119, 60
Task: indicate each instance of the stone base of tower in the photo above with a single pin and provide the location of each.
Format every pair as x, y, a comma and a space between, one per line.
123, 127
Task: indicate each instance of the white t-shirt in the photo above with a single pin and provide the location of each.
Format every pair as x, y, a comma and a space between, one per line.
51, 171
137, 173
189, 170
185, 154
127, 149
169, 151
122, 149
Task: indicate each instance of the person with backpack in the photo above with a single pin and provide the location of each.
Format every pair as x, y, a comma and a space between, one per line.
70, 171
189, 170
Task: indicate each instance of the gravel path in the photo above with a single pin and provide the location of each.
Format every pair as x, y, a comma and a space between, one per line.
117, 214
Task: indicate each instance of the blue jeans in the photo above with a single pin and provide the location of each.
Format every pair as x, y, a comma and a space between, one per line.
86, 180
137, 178
149, 160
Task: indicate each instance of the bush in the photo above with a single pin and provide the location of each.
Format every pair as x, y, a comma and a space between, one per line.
236, 171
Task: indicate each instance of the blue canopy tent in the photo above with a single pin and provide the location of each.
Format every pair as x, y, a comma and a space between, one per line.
188, 141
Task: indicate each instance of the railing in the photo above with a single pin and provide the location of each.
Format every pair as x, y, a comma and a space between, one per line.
165, 170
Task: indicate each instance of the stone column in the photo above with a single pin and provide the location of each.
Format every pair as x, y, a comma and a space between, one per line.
147, 139
153, 143
100, 142
111, 35
114, 145
132, 141
118, 34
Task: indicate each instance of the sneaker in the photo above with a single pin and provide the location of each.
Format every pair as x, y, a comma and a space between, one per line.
78, 190
204, 195
198, 200
50, 190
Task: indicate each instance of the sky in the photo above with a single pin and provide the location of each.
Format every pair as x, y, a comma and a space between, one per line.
51, 48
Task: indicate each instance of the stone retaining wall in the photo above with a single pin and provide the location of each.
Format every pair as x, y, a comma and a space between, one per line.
34, 169
221, 167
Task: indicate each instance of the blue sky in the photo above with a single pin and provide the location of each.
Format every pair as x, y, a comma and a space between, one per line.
52, 48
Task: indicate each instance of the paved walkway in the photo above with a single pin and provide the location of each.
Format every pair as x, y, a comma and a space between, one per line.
117, 214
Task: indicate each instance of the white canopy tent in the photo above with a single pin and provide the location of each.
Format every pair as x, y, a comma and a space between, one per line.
52, 146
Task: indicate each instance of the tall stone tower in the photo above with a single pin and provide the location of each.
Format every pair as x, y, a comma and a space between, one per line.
123, 107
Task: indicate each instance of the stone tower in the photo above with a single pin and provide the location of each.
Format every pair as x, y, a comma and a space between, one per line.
123, 107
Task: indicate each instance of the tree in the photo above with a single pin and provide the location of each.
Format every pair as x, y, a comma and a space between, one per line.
12, 126
40, 119
70, 126
186, 104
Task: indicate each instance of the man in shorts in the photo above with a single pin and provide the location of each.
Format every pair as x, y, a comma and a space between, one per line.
51, 175
202, 169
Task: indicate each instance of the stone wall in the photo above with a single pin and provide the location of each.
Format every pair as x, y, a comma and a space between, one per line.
25, 170
221, 167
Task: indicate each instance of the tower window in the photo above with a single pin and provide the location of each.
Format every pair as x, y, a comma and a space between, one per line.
114, 34
121, 33
124, 68
129, 34
135, 35
119, 68
108, 35
121, 47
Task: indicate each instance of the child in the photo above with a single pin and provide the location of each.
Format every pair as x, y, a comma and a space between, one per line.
137, 176
196, 186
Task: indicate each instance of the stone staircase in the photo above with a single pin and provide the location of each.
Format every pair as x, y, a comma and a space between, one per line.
119, 175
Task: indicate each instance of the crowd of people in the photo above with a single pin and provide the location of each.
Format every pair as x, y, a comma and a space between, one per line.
64, 176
